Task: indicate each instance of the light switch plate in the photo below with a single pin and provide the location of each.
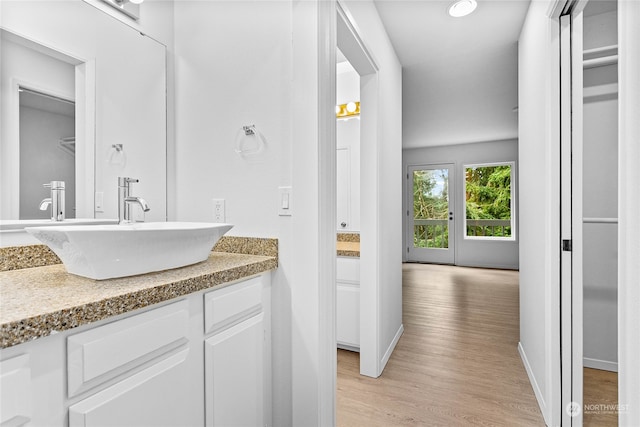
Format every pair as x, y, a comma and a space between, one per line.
99, 201
285, 201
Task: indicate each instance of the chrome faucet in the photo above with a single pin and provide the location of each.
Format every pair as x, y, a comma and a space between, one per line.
125, 199
56, 200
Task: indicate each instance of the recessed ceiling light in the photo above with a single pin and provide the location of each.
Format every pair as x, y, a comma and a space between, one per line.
462, 8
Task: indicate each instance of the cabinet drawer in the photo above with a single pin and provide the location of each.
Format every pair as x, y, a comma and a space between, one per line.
348, 269
102, 353
229, 306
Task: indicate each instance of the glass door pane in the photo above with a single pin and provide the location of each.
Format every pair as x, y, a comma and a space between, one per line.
431, 214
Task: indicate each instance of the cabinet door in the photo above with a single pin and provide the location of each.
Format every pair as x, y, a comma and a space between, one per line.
156, 396
15, 391
234, 375
348, 316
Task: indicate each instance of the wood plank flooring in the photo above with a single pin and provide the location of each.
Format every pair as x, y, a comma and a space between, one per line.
600, 397
457, 362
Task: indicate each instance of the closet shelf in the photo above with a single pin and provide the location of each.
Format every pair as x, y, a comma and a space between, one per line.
600, 56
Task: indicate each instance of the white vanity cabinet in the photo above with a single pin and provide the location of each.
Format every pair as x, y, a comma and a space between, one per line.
237, 366
15, 390
147, 358
348, 303
202, 359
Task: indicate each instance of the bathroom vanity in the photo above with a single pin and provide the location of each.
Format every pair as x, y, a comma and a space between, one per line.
188, 346
348, 291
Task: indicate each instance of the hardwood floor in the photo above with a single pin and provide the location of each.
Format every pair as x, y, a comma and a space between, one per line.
457, 362
600, 398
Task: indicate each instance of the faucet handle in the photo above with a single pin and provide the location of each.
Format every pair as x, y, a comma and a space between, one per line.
124, 181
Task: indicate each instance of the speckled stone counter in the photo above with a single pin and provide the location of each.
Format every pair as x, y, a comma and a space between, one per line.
351, 249
36, 302
29, 256
18, 257
348, 244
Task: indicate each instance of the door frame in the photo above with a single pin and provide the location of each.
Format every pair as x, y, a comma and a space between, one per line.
438, 258
356, 51
628, 208
571, 195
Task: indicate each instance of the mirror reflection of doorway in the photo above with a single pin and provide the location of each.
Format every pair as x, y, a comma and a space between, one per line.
47, 150
430, 232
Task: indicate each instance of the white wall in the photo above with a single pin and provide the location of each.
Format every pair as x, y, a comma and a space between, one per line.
471, 253
233, 65
236, 65
538, 154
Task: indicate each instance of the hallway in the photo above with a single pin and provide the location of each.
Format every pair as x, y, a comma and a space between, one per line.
457, 362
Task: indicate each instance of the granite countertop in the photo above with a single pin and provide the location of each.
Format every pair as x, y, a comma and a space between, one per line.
348, 244
351, 249
39, 301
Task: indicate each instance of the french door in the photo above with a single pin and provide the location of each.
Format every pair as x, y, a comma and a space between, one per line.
430, 226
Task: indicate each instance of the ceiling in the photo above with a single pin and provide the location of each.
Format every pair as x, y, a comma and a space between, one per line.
459, 74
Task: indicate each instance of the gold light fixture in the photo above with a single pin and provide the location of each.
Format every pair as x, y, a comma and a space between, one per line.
349, 109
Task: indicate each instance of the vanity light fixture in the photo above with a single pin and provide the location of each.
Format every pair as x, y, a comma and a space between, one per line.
462, 8
349, 109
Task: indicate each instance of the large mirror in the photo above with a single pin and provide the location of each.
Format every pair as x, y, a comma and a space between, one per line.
68, 58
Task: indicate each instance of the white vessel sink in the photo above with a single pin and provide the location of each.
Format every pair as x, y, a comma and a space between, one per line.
108, 251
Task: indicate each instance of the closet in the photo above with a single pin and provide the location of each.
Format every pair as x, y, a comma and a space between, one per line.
600, 211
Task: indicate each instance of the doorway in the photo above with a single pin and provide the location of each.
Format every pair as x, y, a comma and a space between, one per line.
47, 150
430, 225
589, 215
356, 53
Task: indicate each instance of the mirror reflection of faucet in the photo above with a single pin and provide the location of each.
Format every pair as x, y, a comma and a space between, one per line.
125, 199
56, 200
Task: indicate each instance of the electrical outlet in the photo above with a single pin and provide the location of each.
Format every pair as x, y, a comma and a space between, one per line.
218, 210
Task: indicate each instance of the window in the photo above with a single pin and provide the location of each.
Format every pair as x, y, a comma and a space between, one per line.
489, 211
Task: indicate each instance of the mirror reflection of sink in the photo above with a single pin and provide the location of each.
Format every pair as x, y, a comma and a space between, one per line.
108, 251
20, 224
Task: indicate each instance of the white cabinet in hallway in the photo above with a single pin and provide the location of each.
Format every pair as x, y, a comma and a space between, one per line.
348, 303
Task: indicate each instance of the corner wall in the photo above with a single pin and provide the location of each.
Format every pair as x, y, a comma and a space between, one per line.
539, 208
233, 67
385, 215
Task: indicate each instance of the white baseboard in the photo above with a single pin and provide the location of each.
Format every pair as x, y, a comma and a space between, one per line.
534, 383
392, 346
348, 347
603, 365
